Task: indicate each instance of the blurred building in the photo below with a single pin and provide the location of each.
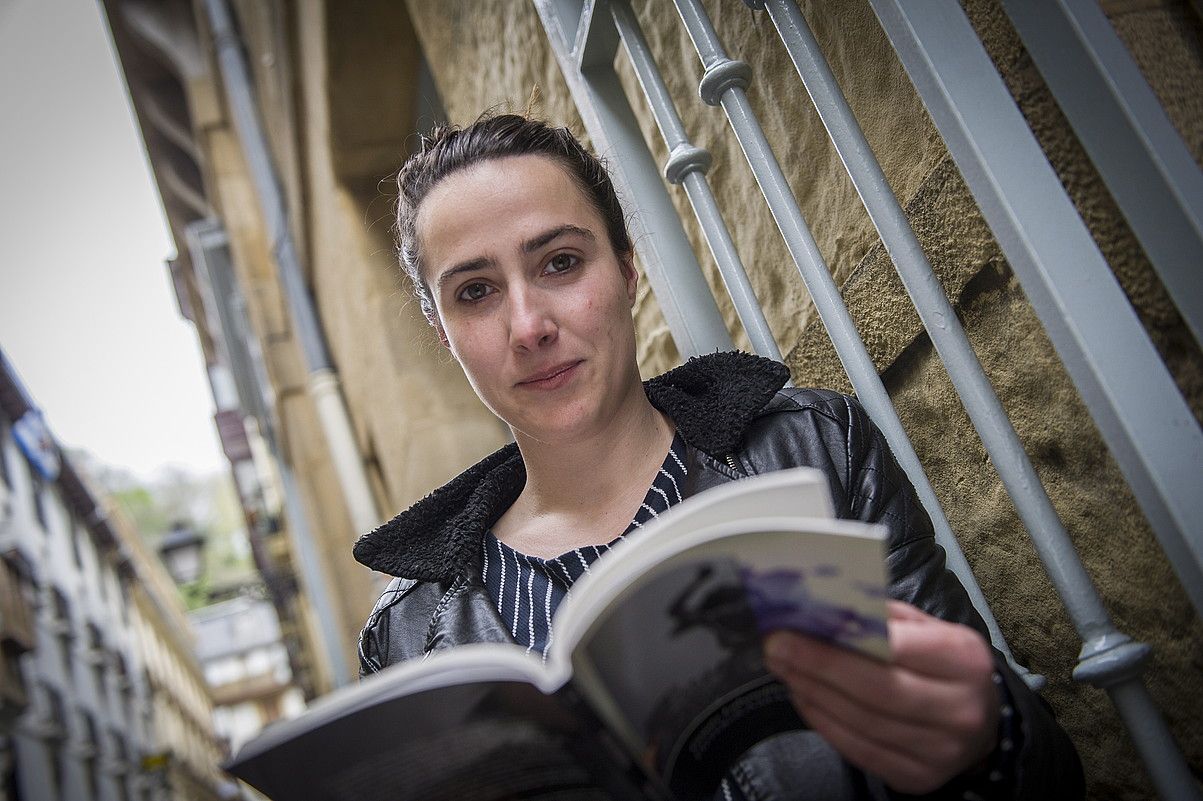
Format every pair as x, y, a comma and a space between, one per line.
101, 698
351, 410
247, 668
334, 410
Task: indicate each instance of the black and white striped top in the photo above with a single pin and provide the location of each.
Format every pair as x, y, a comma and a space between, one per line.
527, 590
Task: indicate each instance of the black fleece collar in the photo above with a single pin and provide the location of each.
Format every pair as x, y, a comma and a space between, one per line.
711, 400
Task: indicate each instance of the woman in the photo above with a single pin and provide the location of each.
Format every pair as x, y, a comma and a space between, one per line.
517, 246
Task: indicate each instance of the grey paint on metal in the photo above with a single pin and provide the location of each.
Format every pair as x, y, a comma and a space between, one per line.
237, 82
1123, 127
1136, 405
940, 320
687, 165
240, 98
1108, 356
669, 261
1153, 742
823, 290
209, 246
310, 559
207, 239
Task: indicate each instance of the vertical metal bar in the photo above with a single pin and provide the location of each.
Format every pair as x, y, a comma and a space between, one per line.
583, 38
687, 164
1108, 356
724, 83
1131, 141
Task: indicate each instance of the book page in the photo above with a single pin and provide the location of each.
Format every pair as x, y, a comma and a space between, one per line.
481, 742
467, 725
672, 656
799, 492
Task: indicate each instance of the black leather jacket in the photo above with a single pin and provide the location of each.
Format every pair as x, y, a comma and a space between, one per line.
736, 421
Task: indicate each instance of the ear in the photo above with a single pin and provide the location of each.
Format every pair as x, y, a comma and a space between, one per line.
631, 276
432, 317
438, 329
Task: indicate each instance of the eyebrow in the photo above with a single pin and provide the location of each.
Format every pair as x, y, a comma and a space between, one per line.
529, 246
463, 267
552, 234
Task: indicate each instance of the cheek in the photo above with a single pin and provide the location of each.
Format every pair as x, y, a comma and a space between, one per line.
471, 347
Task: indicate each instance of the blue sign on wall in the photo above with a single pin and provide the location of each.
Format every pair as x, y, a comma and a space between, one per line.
34, 440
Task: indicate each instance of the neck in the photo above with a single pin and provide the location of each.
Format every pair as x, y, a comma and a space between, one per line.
614, 460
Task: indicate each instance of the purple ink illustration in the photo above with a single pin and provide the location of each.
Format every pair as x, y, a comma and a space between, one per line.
780, 598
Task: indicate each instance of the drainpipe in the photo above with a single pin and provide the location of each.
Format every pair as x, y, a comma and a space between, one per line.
322, 382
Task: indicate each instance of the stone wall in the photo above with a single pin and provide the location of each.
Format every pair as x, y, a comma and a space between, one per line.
490, 52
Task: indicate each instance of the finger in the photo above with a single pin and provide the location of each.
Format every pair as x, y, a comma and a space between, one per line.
930, 744
940, 649
901, 610
887, 688
899, 770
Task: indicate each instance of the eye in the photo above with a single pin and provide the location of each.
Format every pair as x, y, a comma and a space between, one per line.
561, 262
474, 292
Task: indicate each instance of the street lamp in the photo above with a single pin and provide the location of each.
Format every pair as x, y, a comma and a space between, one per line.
181, 553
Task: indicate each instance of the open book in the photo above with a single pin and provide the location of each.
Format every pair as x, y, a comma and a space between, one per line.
654, 681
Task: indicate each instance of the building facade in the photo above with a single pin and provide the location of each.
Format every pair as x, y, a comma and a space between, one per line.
246, 665
103, 699
340, 93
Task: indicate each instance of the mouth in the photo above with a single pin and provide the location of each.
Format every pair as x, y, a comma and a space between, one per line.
551, 378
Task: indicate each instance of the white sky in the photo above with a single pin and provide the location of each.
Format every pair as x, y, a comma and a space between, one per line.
87, 314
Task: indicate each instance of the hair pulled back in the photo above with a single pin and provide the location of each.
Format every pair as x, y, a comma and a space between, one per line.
449, 148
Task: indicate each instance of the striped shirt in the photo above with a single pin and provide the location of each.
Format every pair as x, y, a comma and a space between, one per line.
527, 590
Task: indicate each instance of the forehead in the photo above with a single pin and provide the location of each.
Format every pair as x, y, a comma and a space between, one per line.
495, 205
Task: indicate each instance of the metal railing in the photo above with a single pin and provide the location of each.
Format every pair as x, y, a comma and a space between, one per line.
1131, 397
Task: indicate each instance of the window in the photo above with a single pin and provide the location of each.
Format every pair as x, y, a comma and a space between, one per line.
51, 728
56, 714
39, 501
124, 686
61, 609
121, 766
123, 590
5, 476
89, 750
75, 555
16, 613
97, 657
258, 662
61, 626
16, 629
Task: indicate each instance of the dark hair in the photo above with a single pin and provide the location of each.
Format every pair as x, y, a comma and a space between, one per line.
450, 148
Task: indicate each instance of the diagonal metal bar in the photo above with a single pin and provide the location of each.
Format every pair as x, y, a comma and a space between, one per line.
1136, 406
584, 41
1123, 127
940, 320
1129, 393
724, 83
687, 165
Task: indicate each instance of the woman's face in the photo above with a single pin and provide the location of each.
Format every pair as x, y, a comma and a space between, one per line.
530, 296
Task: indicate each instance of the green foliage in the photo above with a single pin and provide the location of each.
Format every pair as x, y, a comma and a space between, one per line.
196, 594
144, 509
208, 503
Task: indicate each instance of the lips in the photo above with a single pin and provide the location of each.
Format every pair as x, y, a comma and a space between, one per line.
551, 378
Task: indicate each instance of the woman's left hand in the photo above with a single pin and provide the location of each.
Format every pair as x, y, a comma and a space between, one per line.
916, 722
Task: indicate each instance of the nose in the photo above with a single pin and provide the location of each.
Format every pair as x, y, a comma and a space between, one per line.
532, 324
